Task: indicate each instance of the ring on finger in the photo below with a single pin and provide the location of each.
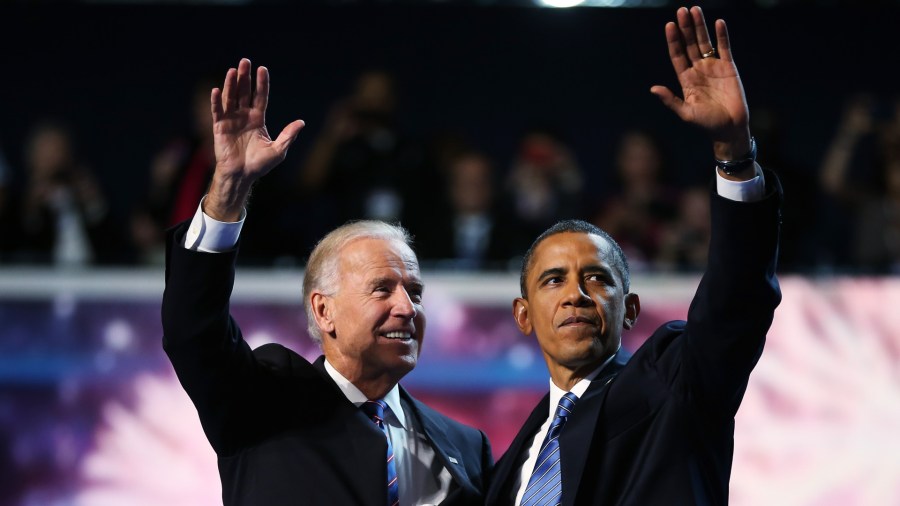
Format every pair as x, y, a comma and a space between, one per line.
712, 53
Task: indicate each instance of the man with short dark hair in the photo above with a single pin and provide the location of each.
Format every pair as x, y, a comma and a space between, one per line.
655, 428
286, 432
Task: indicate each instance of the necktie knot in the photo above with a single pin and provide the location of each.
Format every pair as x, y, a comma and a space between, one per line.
566, 405
375, 410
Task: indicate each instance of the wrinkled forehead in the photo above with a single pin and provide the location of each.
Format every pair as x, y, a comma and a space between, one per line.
371, 253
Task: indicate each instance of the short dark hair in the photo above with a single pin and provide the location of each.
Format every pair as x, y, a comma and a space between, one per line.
576, 226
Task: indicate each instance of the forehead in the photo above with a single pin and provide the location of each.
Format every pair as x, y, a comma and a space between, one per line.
571, 250
371, 255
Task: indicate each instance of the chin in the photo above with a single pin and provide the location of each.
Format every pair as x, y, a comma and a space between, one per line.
403, 364
585, 356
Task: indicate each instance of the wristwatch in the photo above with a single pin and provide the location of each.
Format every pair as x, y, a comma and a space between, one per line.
732, 167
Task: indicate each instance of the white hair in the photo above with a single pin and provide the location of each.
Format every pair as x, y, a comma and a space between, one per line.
322, 267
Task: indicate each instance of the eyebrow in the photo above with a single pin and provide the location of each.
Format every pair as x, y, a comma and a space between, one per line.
382, 281
386, 280
553, 271
590, 269
594, 269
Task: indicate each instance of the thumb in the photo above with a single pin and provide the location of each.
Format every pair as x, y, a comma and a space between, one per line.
669, 99
287, 136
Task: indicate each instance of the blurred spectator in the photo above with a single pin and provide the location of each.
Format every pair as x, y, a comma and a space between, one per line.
637, 214
878, 226
64, 216
471, 232
847, 178
891, 131
544, 185
360, 165
179, 176
684, 244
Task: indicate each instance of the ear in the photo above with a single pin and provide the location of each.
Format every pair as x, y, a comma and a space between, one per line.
520, 314
323, 311
632, 310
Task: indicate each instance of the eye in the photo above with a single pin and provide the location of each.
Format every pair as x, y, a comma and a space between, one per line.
598, 278
414, 291
553, 280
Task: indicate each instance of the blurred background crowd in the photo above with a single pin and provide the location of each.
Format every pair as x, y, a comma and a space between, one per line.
467, 209
475, 189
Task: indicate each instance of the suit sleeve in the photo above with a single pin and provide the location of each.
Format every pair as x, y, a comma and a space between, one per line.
213, 363
735, 302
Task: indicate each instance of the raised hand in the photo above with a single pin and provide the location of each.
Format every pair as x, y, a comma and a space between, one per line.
713, 94
244, 150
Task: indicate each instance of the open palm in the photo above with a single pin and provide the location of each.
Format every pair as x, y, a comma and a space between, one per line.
244, 150
713, 94
243, 146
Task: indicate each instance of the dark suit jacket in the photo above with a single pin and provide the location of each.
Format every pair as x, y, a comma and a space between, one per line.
657, 429
283, 431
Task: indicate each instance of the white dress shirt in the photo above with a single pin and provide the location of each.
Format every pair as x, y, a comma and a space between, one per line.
212, 236
752, 190
422, 479
534, 447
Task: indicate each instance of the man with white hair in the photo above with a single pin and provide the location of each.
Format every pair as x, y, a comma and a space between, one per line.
340, 430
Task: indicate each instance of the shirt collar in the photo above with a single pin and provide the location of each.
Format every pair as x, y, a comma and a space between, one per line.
354, 395
579, 388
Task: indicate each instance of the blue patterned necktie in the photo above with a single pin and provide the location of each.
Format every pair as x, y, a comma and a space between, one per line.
375, 410
545, 485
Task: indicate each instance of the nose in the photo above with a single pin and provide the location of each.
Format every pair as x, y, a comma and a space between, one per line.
403, 305
576, 296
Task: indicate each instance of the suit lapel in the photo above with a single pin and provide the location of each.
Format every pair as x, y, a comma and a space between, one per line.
366, 439
575, 440
436, 431
508, 465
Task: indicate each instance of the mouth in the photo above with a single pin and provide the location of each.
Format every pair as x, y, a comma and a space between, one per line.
578, 321
398, 335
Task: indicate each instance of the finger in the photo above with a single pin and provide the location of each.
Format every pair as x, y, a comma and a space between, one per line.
688, 33
215, 104
724, 40
703, 42
676, 48
229, 91
287, 137
669, 99
243, 83
261, 99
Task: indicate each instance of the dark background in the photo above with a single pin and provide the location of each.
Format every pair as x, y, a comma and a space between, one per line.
123, 75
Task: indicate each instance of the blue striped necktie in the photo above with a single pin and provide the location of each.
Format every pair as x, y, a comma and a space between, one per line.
545, 485
375, 410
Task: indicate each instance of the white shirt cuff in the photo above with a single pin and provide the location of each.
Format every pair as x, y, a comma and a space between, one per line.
742, 191
212, 236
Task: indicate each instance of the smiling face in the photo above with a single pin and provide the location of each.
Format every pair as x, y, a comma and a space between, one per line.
374, 323
576, 304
